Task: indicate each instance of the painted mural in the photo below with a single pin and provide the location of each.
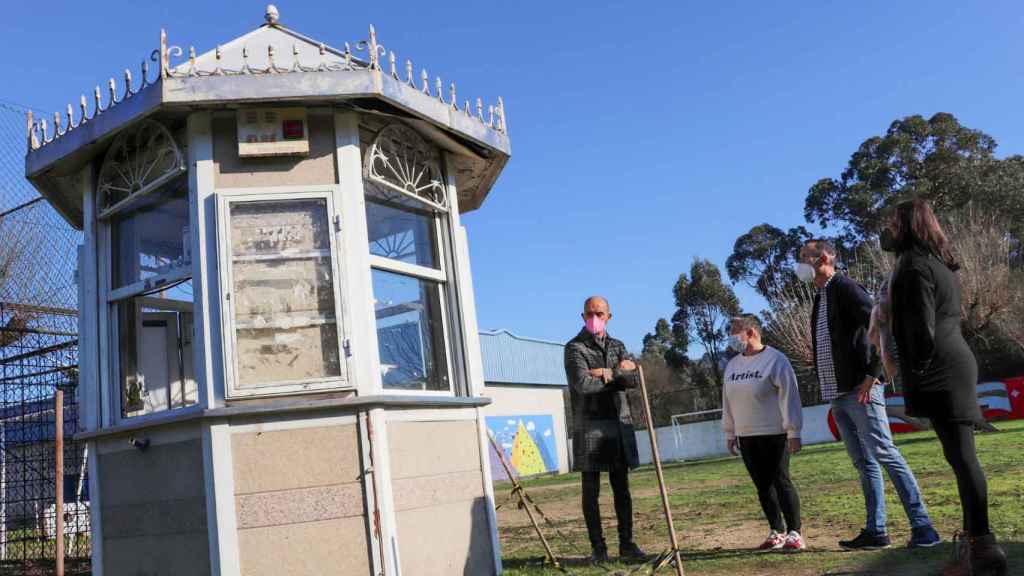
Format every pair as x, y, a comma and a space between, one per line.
1000, 400
528, 442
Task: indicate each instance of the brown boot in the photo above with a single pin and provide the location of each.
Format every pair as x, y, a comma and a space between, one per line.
987, 558
960, 565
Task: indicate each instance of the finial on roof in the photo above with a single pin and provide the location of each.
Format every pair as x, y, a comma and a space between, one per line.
272, 15
32, 143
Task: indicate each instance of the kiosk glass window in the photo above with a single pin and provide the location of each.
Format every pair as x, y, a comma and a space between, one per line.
406, 217
410, 332
282, 294
151, 302
156, 351
401, 233
142, 197
152, 238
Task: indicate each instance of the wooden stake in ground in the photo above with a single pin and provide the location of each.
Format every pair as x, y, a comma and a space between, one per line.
58, 467
656, 457
517, 489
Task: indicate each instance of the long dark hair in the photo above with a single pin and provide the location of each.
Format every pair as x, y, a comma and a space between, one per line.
915, 225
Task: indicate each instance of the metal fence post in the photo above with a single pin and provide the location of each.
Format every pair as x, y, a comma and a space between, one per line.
3, 492
58, 473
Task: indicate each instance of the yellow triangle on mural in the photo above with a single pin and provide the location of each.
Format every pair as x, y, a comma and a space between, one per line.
526, 458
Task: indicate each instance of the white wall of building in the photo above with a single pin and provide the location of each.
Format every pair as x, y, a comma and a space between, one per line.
706, 439
511, 400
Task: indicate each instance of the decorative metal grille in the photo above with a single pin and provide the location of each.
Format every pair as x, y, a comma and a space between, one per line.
401, 160
140, 160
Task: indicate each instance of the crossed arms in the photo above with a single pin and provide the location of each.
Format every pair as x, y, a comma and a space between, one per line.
586, 380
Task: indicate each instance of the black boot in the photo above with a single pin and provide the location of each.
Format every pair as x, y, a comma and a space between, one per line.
960, 565
599, 555
987, 558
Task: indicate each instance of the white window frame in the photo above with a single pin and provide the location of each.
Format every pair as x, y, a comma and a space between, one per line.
113, 297
439, 276
227, 196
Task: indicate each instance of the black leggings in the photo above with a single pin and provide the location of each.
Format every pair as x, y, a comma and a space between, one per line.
957, 438
767, 460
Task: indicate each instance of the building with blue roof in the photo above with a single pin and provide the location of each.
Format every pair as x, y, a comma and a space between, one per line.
525, 378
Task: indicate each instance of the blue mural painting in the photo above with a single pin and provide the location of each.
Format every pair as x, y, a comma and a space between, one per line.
528, 442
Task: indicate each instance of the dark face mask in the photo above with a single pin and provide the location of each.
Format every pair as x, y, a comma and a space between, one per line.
887, 240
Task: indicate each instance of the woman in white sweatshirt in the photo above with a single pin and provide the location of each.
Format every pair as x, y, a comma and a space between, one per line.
762, 418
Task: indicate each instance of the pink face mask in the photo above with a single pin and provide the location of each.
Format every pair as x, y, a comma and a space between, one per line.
595, 325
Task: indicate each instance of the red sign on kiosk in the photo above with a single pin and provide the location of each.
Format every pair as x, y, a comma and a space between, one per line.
293, 129
272, 132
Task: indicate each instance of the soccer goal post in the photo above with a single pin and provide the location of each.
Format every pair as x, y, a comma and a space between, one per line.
680, 422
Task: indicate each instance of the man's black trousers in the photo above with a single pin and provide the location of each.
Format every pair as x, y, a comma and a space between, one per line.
618, 476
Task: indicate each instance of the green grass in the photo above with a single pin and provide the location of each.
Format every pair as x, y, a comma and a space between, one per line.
718, 517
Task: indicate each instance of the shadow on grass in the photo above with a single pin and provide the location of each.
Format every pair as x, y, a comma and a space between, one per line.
687, 556
891, 562
541, 562
906, 562
726, 553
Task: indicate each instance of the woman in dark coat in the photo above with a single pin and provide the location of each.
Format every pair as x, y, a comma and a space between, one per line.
939, 372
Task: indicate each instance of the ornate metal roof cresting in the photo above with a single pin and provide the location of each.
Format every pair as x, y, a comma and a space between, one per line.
402, 160
365, 55
140, 160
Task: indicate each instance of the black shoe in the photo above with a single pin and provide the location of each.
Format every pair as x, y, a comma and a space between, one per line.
631, 551
924, 537
866, 541
599, 556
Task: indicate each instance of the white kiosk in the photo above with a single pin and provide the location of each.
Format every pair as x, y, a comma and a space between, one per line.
280, 368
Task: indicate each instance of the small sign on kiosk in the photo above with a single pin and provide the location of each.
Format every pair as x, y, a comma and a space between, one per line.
272, 132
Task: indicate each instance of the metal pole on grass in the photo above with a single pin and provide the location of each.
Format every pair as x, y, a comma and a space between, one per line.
58, 509
656, 457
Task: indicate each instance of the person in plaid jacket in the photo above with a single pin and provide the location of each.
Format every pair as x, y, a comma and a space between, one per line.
599, 372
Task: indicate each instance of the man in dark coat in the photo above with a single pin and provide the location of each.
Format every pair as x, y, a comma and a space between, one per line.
848, 369
599, 372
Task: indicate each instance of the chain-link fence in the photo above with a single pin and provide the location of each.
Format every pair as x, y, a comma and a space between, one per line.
38, 355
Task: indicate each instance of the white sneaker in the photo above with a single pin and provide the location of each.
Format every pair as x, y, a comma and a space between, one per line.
794, 541
774, 541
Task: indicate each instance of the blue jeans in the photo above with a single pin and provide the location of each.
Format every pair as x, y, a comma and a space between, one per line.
865, 431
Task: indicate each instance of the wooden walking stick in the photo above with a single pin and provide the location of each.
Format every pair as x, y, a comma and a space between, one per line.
656, 457
517, 489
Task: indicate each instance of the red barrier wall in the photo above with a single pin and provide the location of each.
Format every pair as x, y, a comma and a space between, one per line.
999, 400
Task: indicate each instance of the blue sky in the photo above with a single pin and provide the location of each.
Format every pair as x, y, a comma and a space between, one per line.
644, 134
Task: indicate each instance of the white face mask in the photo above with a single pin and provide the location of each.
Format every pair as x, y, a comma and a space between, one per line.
805, 272
737, 343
